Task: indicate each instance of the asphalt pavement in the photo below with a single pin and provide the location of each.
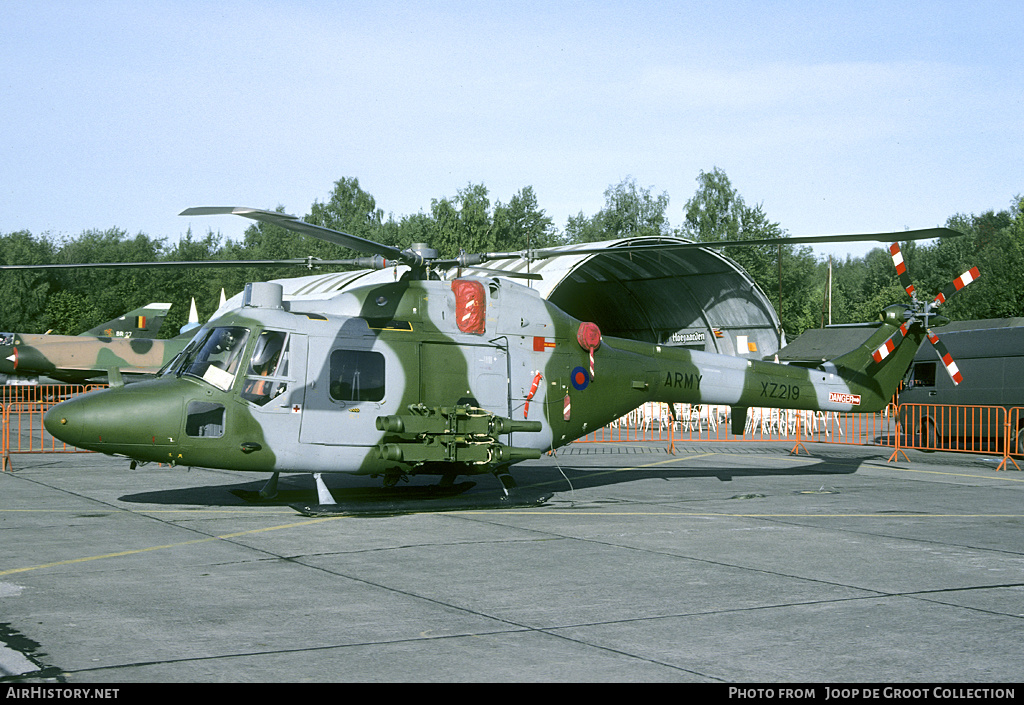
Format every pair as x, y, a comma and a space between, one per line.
722, 563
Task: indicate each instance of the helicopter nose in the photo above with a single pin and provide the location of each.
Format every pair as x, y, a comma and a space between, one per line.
65, 420
116, 421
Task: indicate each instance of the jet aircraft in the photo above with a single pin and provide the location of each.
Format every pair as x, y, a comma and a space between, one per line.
127, 342
418, 375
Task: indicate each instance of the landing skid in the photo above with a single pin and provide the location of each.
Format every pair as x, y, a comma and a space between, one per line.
408, 500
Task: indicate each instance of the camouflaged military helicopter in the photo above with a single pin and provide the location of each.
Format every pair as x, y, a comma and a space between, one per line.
127, 342
415, 374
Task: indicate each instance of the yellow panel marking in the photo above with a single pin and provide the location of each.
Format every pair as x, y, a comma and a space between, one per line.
169, 545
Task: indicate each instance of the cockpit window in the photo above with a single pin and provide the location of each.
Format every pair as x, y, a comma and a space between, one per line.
269, 362
216, 357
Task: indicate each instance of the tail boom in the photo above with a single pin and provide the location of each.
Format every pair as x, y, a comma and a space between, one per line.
852, 382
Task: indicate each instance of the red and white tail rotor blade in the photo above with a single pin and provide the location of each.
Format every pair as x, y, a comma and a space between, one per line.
959, 283
901, 268
947, 359
891, 343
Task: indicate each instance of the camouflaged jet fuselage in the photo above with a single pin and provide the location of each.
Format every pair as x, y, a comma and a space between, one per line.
127, 343
439, 377
77, 360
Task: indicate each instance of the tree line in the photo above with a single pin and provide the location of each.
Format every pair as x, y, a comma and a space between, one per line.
71, 301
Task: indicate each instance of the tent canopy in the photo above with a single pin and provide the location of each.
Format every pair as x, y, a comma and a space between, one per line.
687, 297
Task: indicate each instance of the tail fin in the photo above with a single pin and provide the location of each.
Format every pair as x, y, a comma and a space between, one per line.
192, 323
874, 376
143, 322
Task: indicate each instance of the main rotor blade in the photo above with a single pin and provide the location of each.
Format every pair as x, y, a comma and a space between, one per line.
533, 276
308, 262
291, 222
925, 234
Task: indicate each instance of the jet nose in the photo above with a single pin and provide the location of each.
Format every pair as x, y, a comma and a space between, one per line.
8, 359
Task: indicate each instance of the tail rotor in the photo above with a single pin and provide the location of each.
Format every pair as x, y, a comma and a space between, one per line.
921, 313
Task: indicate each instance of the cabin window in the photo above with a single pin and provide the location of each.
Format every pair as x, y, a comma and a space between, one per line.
269, 362
204, 420
357, 375
923, 375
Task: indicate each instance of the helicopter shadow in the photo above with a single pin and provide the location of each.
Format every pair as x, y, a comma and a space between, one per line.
295, 488
355, 491
587, 477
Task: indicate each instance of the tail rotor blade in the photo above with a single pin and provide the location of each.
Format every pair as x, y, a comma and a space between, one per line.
901, 268
891, 343
957, 284
947, 359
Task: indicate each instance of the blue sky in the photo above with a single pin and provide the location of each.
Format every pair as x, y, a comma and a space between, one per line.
837, 117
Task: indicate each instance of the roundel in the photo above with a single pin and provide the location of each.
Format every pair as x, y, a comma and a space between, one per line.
580, 378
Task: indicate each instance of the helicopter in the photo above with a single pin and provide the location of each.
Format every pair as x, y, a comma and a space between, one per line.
422, 375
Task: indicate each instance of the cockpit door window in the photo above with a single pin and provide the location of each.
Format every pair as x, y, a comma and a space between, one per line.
266, 377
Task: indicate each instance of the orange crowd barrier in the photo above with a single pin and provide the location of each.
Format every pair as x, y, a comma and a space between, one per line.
23, 409
963, 428
655, 421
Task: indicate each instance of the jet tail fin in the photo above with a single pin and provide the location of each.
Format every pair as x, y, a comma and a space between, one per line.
143, 322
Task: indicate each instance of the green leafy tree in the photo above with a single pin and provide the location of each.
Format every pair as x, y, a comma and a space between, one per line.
418, 227
72, 301
71, 313
629, 211
463, 223
24, 293
848, 289
521, 224
351, 210
179, 286
994, 243
717, 213
110, 292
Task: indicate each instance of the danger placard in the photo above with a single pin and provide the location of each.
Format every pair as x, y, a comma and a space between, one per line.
841, 398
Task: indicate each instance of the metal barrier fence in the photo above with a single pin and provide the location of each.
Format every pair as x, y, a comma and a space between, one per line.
927, 427
39, 393
685, 422
969, 429
992, 430
23, 409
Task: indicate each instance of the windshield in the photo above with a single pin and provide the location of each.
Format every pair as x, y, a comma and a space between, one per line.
174, 364
215, 358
